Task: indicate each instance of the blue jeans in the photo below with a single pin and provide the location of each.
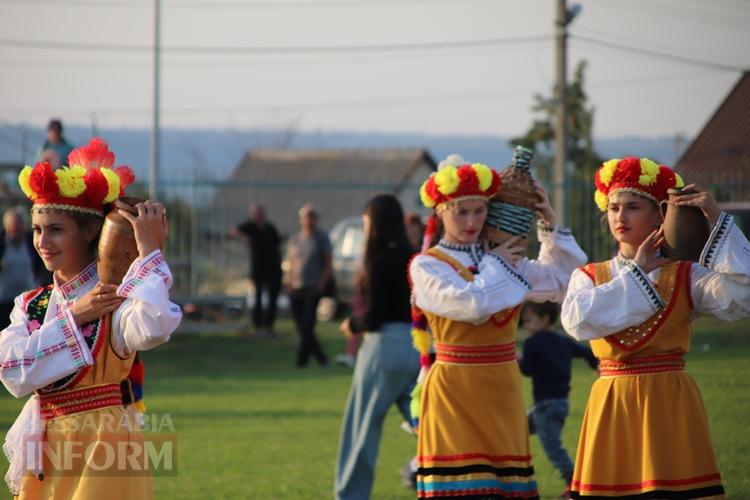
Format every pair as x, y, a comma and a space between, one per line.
386, 368
546, 419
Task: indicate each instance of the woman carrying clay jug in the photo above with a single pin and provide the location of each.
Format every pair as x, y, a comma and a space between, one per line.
645, 432
72, 343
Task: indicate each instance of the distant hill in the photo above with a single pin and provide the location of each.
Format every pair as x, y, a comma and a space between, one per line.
214, 153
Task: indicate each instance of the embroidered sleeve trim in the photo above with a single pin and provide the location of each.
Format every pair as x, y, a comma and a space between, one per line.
71, 337
645, 286
41, 354
716, 240
136, 277
509, 270
547, 229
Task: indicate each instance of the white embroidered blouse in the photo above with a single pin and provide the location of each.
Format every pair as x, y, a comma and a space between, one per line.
439, 289
33, 355
719, 286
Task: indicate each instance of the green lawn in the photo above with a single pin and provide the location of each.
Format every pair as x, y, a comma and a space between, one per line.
250, 425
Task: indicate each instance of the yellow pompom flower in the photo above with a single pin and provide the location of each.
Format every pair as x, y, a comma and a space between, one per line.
484, 174
70, 181
421, 340
602, 200
426, 200
113, 182
608, 170
23, 180
447, 180
649, 172
679, 183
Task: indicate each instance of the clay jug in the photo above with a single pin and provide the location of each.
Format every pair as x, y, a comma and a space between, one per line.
686, 229
117, 247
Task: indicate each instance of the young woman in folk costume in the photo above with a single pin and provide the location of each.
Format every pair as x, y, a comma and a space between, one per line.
645, 432
472, 431
71, 344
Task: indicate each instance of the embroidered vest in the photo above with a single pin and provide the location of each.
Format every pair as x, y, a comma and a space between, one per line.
667, 331
499, 329
108, 368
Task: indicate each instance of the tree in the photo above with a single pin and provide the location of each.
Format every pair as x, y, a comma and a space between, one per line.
581, 209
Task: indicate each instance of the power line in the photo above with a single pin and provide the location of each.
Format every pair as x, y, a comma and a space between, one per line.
236, 5
653, 53
683, 12
362, 103
290, 49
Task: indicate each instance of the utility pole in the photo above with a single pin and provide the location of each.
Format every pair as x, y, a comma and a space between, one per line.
153, 180
561, 126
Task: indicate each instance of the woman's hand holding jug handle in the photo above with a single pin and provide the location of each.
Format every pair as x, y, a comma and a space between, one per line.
150, 226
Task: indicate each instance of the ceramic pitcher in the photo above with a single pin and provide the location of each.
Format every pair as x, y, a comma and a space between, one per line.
686, 229
117, 247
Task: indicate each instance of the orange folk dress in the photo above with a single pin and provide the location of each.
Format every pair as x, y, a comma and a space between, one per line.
74, 438
645, 432
473, 439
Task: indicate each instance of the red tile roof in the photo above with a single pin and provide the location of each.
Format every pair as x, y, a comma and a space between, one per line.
720, 154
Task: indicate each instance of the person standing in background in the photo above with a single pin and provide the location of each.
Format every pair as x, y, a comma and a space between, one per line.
309, 256
20, 266
265, 264
56, 148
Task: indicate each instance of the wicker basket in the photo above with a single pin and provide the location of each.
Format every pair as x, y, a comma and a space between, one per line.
512, 210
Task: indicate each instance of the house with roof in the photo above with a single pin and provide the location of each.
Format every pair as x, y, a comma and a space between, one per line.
337, 181
719, 156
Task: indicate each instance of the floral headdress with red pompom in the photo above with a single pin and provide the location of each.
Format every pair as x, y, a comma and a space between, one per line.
457, 180
636, 175
87, 184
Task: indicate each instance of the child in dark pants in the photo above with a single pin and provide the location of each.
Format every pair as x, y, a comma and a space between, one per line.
547, 358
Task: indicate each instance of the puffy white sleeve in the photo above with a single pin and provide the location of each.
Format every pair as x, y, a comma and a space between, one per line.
441, 290
33, 355
720, 284
591, 312
147, 318
559, 256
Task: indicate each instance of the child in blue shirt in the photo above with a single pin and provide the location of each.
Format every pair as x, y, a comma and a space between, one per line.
547, 359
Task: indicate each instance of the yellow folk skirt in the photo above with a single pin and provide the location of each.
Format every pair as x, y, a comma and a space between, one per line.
91, 456
646, 436
473, 436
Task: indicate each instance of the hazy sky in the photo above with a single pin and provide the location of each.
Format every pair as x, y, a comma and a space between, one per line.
214, 75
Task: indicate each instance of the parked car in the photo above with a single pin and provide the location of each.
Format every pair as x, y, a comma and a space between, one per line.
348, 242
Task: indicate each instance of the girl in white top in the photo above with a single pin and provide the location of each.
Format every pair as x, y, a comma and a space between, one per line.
645, 432
72, 343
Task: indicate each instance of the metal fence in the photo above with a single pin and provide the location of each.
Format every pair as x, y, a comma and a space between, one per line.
205, 261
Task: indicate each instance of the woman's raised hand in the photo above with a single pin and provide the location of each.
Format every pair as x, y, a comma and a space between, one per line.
647, 256
511, 250
150, 226
702, 199
346, 329
544, 208
100, 300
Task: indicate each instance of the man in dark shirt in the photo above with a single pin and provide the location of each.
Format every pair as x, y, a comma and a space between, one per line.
265, 264
547, 358
21, 268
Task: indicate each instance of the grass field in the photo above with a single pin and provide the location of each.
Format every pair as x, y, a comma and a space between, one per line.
249, 425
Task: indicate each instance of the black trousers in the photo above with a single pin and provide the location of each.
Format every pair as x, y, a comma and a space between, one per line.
304, 305
271, 285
